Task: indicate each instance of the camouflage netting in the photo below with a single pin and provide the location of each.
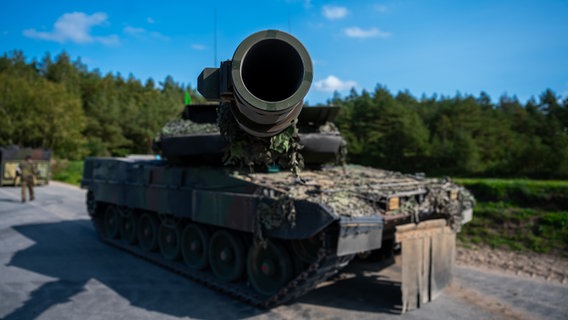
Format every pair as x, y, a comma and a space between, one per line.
269, 216
180, 127
362, 191
246, 150
439, 198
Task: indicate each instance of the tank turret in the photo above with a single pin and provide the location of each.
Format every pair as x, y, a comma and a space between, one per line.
257, 97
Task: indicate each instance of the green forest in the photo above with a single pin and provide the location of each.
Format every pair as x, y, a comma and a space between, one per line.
60, 104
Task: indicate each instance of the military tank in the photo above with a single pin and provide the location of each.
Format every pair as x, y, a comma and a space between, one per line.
250, 194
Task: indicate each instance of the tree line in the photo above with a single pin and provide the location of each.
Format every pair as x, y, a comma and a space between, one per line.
59, 104
459, 136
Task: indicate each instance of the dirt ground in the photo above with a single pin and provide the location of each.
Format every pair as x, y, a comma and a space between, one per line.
533, 265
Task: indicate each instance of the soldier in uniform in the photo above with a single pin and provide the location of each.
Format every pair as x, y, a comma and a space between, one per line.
27, 174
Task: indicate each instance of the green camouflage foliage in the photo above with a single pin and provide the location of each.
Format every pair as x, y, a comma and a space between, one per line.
271, 216
357, 191
181, 127
246, 150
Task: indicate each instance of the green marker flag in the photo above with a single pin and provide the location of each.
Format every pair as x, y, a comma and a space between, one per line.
187, 98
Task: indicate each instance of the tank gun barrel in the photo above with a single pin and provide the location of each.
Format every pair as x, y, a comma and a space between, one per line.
265, 82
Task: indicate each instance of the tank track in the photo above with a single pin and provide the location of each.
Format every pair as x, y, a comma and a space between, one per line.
325, 266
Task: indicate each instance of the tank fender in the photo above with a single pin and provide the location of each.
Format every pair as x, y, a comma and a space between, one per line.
311, 218
224, 209
358, 234
238, 211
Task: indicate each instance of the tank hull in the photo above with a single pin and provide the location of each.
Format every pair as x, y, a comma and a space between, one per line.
316, 240
312, 235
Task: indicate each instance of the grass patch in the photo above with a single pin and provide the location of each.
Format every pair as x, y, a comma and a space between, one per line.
551, 195
508, 226
518, 214
67, 171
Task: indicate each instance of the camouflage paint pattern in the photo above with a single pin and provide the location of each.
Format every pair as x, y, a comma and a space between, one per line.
239, 200
214, 196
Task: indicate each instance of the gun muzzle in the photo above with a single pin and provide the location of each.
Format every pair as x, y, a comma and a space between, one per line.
266, 82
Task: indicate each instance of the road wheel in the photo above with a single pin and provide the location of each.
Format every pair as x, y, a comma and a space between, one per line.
91, 203
226, 256
269, 268
112, 222
147, 230
169, 241
128, 228
194, 245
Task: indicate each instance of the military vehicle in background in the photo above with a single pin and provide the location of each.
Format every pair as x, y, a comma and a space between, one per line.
219, 207
10, 158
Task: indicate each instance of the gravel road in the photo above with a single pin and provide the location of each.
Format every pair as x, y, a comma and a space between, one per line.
52, 266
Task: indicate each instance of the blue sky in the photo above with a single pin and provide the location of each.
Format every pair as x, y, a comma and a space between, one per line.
427, 47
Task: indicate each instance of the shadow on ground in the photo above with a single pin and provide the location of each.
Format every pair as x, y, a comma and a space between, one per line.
71, 253
362, 286
8, 200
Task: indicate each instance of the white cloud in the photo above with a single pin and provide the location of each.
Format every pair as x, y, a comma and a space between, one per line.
199, 47
333, 12
356, 32
332, 83
75, 27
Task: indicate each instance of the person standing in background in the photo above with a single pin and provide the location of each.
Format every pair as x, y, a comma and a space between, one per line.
27, 174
